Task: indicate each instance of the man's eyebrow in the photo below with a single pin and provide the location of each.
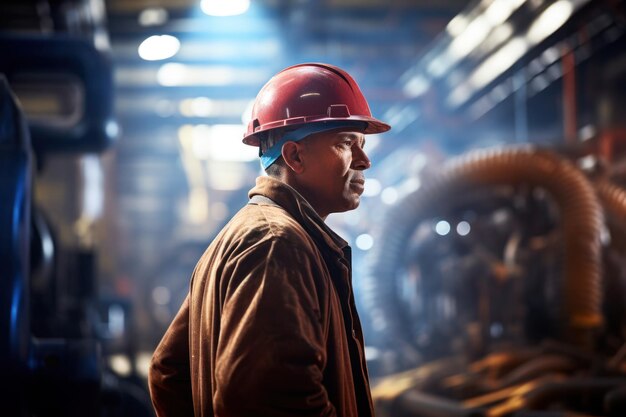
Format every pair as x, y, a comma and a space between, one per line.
357, 137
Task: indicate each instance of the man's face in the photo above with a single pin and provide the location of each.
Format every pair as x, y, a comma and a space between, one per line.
332, 180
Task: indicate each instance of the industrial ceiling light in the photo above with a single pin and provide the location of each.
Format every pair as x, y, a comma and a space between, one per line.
171, 74
153, 16
225, 7
550, 20
489, 70
499, 62
159, 47
457, 25
500, 10
416, 86
174, 74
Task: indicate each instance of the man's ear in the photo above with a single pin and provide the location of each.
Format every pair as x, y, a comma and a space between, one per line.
292, 155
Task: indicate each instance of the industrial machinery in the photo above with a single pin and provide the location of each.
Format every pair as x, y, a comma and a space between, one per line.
56, 99
499, 290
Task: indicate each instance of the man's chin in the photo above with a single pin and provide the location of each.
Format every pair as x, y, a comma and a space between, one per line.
349, 205
354, 202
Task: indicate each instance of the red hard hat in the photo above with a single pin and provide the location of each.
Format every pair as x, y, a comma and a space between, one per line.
309, 93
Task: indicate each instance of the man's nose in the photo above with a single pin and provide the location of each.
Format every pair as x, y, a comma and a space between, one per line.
360, 160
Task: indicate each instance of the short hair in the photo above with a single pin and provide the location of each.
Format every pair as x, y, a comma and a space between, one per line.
270, 138
266, 142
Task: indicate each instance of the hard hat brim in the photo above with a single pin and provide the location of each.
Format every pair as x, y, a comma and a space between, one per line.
373, 126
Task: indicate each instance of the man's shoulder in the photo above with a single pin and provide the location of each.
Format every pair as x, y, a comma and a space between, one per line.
271, 221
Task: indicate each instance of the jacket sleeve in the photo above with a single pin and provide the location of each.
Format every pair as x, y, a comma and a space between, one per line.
169, 375
271, 351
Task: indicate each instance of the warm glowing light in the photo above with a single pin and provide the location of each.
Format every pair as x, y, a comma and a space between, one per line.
549, 21
500, 10
171, 74
469, 35
153, 16
457, 25
225, 7
499, 62
176, 74
460, 95
198, 209
159, 47
208, 107
221, 143
497, 36
142, 363
475, 33
226, 176
120, 364
197, 107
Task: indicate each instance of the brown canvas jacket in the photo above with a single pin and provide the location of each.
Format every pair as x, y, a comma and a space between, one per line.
269, 327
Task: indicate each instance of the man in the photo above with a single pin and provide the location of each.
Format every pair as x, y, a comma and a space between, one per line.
269, 327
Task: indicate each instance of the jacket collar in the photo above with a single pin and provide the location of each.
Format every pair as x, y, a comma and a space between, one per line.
293, 202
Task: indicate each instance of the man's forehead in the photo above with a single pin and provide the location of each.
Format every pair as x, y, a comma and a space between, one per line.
350, 134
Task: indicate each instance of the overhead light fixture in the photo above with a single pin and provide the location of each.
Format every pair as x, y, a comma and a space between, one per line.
416, 86
159, 47
499, 62
549, 21
489, 70
472, 36
468, 34
225, 7
460, 95
442, 228
457, 25
153, 16
207, 107
174, 74
500, 10
364, 241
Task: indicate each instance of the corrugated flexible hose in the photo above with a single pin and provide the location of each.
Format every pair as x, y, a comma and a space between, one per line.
581, 223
